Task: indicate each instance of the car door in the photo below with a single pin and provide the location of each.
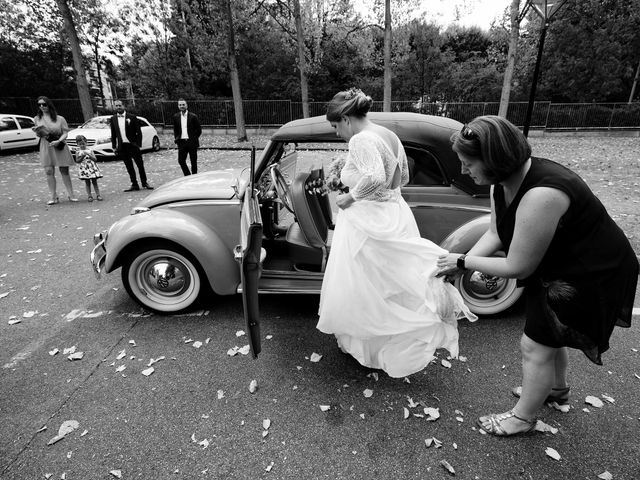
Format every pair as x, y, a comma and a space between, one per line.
248, 254
9, 133
28, 137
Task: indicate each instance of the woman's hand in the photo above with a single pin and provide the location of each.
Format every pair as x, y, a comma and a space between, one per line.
344, 200
448, 266
55, 143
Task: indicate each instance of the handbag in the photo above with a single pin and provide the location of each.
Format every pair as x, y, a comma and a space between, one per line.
52, 137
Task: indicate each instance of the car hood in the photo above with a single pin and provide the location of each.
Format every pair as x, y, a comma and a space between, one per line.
212, 185
90, 133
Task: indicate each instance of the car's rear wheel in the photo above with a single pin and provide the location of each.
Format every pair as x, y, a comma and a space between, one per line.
486, 294
155, 144
162, 277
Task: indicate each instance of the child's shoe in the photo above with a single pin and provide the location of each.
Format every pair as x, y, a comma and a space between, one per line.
90, 198
99, 198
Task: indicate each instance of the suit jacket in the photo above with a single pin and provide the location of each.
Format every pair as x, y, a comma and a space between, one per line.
132, 130
194, 130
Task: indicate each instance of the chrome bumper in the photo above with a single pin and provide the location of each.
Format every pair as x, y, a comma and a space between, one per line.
99, 253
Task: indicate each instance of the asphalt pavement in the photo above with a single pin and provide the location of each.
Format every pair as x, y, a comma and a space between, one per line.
193, 415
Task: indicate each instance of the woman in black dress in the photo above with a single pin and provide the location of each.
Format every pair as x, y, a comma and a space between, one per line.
577, 265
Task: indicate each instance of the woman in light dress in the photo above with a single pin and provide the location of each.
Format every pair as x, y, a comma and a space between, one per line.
52, 130
380, 296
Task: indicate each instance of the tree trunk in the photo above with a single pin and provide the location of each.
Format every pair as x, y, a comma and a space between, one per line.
386, 104
188, 54
81, 76
302, 63
511, 58
241, 131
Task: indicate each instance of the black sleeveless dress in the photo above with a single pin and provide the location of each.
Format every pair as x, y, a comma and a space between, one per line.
586, 282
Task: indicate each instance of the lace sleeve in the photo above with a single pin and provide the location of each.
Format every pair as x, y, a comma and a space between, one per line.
404, 166
366, 158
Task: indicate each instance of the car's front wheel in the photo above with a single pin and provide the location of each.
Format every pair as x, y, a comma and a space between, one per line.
155, 144
486, 294
163, 278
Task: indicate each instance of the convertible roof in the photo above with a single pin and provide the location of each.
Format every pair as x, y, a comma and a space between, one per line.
410, 127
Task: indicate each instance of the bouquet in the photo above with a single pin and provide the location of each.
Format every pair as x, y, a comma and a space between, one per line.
333, 176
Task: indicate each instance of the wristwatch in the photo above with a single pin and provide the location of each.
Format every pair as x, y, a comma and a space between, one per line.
460, 262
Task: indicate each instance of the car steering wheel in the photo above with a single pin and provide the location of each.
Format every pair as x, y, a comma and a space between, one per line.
282, 188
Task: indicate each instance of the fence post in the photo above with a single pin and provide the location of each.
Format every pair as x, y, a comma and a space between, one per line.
611, 117
546, 118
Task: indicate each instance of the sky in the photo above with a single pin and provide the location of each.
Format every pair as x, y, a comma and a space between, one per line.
472, 12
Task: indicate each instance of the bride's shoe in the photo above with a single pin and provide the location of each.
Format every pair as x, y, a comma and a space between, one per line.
53, 201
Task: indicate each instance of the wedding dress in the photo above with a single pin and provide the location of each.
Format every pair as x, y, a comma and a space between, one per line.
380, 296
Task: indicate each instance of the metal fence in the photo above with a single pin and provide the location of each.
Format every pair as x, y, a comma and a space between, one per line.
273, 113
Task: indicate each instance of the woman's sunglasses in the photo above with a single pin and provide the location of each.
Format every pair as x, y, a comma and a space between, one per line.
467, 133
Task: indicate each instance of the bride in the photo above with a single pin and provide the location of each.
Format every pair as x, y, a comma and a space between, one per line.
380, 296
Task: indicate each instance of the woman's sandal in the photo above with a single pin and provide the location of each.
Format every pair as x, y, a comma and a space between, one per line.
495, 427
53, 201
557, 395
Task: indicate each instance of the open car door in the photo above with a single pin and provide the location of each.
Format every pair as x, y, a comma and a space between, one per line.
248, 254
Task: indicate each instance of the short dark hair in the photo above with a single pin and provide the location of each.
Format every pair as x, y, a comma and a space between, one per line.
497, 142
352, 102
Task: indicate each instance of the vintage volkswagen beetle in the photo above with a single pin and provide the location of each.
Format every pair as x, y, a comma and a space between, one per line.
181, 241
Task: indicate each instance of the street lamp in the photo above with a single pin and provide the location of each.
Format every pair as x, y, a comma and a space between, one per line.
545, 10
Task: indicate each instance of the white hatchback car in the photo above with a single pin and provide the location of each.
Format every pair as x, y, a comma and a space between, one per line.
15, 132
98, 134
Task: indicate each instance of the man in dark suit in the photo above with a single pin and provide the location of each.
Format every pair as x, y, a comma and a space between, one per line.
126, 140
187, 131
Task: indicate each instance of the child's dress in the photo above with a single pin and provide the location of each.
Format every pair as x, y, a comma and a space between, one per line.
88, 166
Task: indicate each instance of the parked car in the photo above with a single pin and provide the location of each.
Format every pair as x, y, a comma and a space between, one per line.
98, 134
184, 239
15, 132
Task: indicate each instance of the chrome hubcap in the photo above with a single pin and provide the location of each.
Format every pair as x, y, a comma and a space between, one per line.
165, 277
483, 287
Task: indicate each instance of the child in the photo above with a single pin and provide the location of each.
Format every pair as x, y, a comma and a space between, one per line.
89, 171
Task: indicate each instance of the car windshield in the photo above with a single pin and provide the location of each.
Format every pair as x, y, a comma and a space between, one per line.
101, 122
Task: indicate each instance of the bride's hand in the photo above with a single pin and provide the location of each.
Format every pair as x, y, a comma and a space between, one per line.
448, 266
344, 200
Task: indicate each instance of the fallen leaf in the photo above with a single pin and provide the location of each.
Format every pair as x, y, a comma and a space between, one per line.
120, 368
240, 333
245, 350
265, 433
543, 427
406, 413
233, 351
315, 357
605, 476
220, 394
269, 467
374, 375
561, 408
67, 427
116, 473
76, 356
266, 423
29, 314
432, 413
253, 386
148, 371
412, 404
2, 295
324, 408
204, 443
608, 398
69, 350
447, 466
133, 343
152, 361
121, 355
445, 363
367, 393
594, 401
552, 453
14, 322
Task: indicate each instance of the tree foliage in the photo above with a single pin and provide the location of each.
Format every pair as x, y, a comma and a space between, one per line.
179, 48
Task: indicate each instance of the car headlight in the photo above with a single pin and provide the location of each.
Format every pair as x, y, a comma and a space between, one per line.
103, 140
137, 210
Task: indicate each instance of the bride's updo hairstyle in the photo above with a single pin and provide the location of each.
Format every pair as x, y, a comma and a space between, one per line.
352, 102
497, 142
